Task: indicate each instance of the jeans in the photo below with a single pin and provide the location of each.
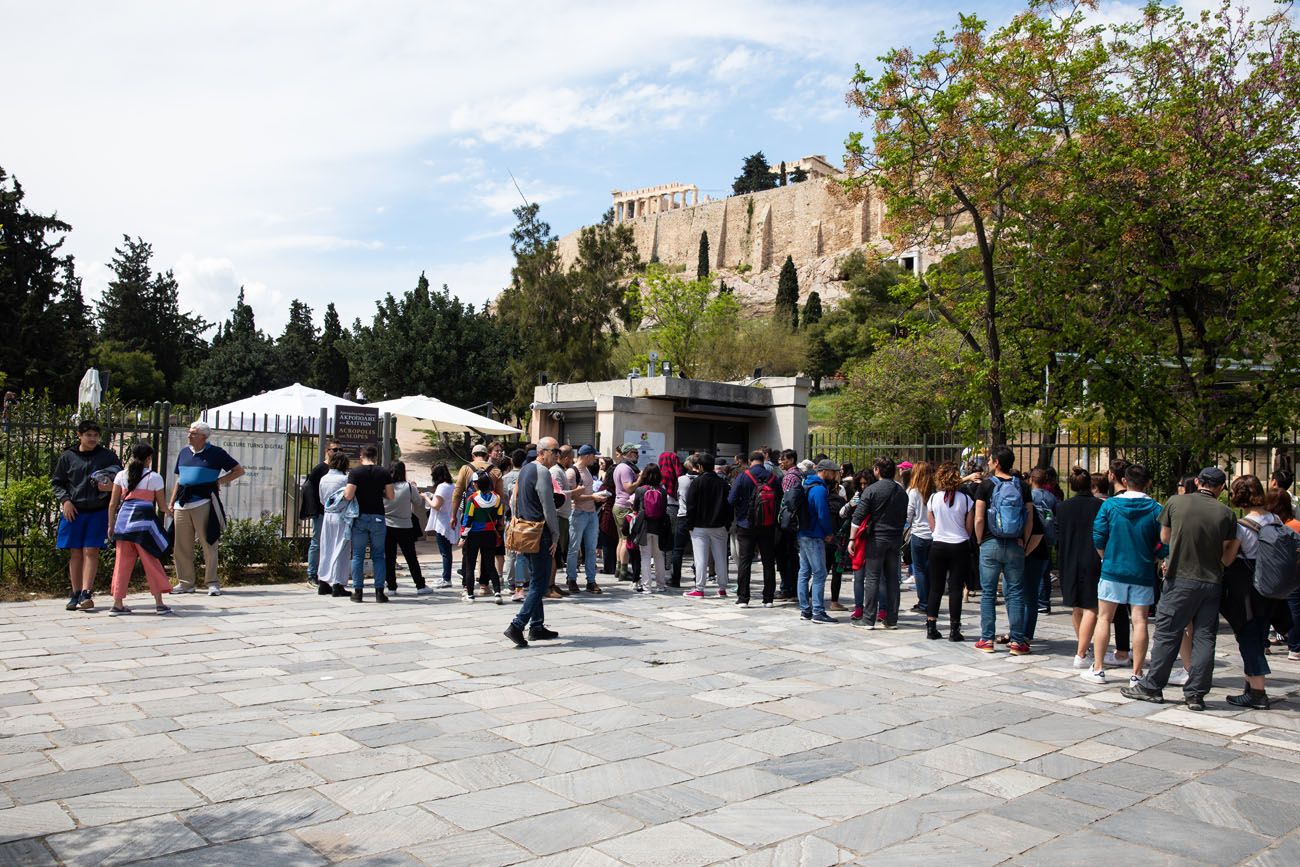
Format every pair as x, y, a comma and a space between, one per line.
1045, 585
368, 529
583, 529
812, 575
1003, 558
444, 549
875, 586
1036, 572
921, 568
538, 567
313, 549
764, 539
1181, 603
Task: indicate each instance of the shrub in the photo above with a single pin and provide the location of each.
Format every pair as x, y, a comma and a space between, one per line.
247, 543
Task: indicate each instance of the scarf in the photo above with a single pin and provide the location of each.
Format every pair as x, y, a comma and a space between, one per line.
671, 467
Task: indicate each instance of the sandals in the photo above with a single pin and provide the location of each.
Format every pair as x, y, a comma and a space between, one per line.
162, 609
118, 610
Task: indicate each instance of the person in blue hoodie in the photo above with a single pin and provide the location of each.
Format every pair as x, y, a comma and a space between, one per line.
1126, 533
815, 530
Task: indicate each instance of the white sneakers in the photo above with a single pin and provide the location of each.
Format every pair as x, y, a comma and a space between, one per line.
214, 590
1091, 676
1178, 677
1082, 662
1114, 661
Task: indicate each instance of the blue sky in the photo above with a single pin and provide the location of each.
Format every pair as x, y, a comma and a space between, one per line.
332, 151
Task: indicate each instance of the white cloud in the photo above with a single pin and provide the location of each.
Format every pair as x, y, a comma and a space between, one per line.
309, 243
737, 63
501, 197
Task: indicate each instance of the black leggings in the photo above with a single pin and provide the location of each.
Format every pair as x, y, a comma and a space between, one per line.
481, 545
949, 565
404, 538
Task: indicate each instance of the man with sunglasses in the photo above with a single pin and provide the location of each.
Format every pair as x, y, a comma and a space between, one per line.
310, 508
534, 500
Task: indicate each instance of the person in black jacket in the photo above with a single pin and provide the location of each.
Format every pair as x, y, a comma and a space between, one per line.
83, 482
878, 523
708, 516
1080, 564
310, 508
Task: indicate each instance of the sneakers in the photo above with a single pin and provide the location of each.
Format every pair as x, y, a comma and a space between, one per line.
1133, 680
515, 634
517, 596
87, 602
500, 600
73, 601
1293, 655
467, 597
823, 617
1195, 702
556, 594
424, 591
857, 614
985, 646
1256, 699
880, 617
357, 597
179, 589
835, 606
722, 594
1094, 676
443, 585
1141, 693
214, 590
767, 604
595, 589
806, 615
1113, 660
740, 604
694, 594
1081, 662
1018, 648
541, 633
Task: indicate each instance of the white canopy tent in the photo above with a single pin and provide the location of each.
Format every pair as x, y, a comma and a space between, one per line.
293, 409
90, 391
443, 417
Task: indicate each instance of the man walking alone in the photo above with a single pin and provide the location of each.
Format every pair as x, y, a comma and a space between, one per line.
534, 500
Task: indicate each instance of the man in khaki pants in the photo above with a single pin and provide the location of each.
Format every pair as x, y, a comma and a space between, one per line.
201, 469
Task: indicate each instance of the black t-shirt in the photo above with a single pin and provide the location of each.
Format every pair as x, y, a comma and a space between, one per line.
984, 494
371, 480
1042, 551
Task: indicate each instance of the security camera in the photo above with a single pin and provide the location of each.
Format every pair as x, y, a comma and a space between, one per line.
557, 415
533, 405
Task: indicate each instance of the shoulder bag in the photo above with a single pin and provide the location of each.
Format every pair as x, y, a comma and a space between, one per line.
523, 537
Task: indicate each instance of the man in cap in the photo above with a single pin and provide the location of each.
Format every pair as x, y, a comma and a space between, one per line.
625, 476
584, 523
1201, 534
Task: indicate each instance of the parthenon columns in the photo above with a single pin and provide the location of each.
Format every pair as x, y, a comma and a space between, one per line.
631, 204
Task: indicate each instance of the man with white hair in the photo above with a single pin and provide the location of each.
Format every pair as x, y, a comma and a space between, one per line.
201, 468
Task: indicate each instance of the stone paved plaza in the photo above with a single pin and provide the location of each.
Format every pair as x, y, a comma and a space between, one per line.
276, 727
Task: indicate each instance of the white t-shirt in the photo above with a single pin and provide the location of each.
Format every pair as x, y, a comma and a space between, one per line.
1249, 538
918, 514
440, 519
950, 521
150, 481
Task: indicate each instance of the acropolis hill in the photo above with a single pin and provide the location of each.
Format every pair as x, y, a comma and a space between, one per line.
750, 235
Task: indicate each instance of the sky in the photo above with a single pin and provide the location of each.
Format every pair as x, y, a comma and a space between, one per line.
332, 151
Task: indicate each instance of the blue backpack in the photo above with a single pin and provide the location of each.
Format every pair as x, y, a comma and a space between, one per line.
1006, 515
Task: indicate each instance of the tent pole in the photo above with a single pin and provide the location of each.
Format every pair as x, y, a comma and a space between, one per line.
324, 420
387, 444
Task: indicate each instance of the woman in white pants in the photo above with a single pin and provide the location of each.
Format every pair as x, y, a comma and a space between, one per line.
652, 529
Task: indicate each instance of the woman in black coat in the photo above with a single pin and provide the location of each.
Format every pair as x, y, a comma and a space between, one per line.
1079, 563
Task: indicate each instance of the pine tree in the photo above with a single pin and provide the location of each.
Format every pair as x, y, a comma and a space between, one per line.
755, 175
799, 175
812, 309
330, 371
297, 346
783, 175
242, 364
787, 296
702, 265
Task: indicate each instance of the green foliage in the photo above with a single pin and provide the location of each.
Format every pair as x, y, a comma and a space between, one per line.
812, 309
754, 343
131, 373
48, 330
140, 310
297, 346
27, 504
799, 175
782, 174
242, 361
787, 296
330, 366
755, 175
247, 543
28, 511
689, 318
429, 342
702, 263
908, 387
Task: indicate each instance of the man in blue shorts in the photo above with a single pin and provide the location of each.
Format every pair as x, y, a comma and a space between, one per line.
82, 480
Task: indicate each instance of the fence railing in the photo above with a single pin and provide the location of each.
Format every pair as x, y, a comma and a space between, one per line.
1090, 448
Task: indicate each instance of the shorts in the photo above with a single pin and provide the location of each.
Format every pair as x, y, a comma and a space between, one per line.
1126, 594
621, 512
87, 530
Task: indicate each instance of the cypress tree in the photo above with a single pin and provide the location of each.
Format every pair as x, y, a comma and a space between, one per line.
812, 309
702, 267
787, 296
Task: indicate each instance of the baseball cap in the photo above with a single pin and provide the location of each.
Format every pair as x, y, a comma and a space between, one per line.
828, 465
905, 465
1213, 477
479, 449
629, 447
586, 449
532, 454
806, 466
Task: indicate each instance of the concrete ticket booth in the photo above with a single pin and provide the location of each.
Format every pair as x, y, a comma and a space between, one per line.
672, 414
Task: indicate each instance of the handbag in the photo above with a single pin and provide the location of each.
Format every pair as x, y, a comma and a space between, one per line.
523, 537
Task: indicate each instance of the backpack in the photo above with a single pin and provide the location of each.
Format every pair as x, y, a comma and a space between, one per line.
1048, 517
471, 489
653, 504
762, 503
793, 504
1277, 559
1007, 509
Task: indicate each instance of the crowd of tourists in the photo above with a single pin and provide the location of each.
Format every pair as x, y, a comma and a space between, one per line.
545, 520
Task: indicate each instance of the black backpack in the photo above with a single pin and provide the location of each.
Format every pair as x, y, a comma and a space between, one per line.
793, 504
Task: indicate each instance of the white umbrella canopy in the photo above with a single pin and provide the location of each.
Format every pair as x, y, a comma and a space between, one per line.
90, 391
443, 417
292, 408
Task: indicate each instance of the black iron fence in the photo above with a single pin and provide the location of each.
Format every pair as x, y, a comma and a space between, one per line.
1090, 448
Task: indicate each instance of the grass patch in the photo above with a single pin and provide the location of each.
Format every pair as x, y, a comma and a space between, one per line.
821, 410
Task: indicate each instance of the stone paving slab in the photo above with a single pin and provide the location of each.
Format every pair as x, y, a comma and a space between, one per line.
275, 726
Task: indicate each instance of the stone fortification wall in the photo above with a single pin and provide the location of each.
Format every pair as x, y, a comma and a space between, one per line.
807, 221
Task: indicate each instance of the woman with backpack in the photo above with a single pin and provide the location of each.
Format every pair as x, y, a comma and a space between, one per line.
651, 530
1247, 611
138, 501
481, 524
